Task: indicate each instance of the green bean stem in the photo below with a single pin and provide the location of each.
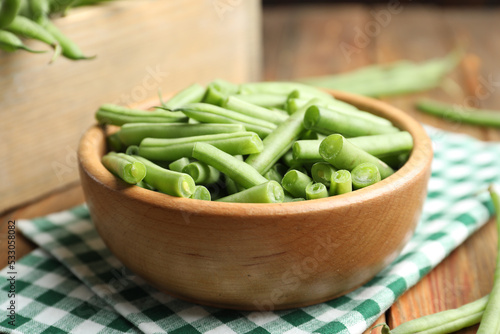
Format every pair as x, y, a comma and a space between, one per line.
134, 133
296, 182
167, 181
191, 94
176, 148
328, 121
269, 192
8, 12
341, 183
316, 190
124, 166
450, 112
490, 324
201, 193
179, 164
276, 143
322, 172
118, 115
10, 43
364, 175
338, 151
252, 110
202, 173
443, 322
241, 172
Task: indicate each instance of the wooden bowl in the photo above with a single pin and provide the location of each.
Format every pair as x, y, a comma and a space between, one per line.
259, 256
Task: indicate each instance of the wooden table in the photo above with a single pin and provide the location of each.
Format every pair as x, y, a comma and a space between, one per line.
305, 41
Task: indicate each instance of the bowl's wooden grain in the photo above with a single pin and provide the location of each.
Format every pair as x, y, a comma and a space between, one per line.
259, 256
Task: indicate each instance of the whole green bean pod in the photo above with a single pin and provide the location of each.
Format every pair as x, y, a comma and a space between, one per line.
39, 9
10, 43
269, 192
276, 143
23, 26
252, 110
490, 323
191, 94
338, 151
167, 181
296, 182
125, 167
239, 171
364, 175
8, 12
316, 191
341, 183
134, 133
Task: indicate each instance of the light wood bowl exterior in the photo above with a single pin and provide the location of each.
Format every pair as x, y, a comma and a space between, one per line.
259, 256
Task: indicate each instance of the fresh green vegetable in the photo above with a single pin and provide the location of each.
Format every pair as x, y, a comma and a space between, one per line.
114, 143
8, 11
176, 148
118, 115
202, 193
338, 151
322, 172
316, 190
252, 110
296, 182
364, 175
134, 133
242, 173
191, 94
457, 114
263, 100
167, 181
10, 43
341, 183
284, 88
327, 121
202, 173
269, 192
178, 164
125, 167
490, 323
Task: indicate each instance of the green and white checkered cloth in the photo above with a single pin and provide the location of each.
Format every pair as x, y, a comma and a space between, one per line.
51, 298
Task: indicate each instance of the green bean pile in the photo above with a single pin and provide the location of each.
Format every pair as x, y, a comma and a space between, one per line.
265, 142
30, 19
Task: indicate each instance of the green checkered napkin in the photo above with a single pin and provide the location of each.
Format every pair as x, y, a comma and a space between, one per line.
51, 300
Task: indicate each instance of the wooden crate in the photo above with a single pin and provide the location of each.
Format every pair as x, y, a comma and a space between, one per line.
140, 46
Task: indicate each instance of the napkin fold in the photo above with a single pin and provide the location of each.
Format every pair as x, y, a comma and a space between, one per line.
73, 284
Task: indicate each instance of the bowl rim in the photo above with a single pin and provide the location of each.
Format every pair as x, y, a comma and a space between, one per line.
419, 162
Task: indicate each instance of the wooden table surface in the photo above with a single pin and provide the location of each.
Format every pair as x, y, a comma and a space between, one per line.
306, 41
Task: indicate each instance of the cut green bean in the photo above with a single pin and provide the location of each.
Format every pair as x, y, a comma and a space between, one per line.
191, 94
364, 175
114, 143
443, 322
231, 186
252, 110
167, 181
316, 191
125, 167
490, 118
218, 91
242, 173
118, 115
179, 164
10, 43
8, 11
134, 133
144, 185
276, 143
202, 173
176, 148
264, 100
132, 150
328, 121
296, 182
284, 88
273, 175
341, 183
201, 193
322, 172
491, 321
269, 192
338, 151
